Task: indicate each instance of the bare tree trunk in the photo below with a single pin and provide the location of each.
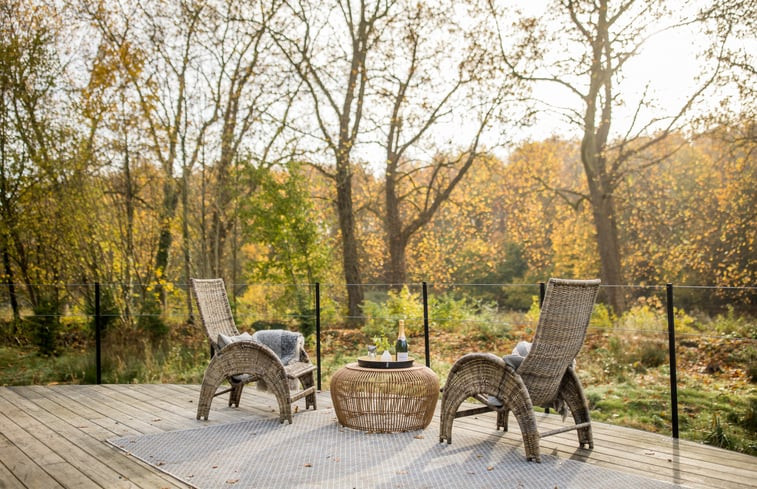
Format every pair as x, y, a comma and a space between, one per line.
165, 236
11, 286
397, 273
605, 224
355, 294
185, 239
218, 218
5, 207
594, 148
126, 288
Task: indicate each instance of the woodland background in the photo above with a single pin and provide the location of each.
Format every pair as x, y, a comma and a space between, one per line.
145, 142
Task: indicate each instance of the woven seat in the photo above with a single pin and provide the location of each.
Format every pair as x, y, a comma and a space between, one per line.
242, 362
544, 378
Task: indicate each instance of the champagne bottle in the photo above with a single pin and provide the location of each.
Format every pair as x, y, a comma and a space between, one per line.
401, 345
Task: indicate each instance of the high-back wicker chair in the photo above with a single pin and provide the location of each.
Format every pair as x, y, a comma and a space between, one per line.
545, 377
241, 362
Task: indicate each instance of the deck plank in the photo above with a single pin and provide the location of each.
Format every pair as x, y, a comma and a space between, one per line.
41, 445
19, 469
82, 431
64, 435
631, 451
54, 436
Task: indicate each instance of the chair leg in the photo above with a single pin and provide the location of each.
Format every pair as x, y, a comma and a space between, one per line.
206, 397
210, 382
308, 381
502, 416
531, 446
478, 374
573, 394
245, 358
236, 393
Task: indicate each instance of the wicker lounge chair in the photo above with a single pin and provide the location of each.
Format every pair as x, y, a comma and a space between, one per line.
241, 362
545, 377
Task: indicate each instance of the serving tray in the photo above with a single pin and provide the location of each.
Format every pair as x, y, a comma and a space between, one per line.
368, 362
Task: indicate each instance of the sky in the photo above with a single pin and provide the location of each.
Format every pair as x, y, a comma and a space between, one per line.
667, 64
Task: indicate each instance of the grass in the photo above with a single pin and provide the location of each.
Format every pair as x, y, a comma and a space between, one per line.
626, 377
23, 366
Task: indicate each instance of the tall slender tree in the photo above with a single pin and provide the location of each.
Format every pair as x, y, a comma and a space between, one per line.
429, 83
329, 48
581, 49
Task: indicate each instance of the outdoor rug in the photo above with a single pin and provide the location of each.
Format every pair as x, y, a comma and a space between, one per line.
316, 452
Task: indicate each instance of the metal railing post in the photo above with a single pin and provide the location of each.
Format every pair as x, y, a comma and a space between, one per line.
318, 332
672, 358
98, 325
425, 325
542, 293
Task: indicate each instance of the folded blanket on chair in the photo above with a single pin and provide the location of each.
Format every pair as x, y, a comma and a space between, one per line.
285, 344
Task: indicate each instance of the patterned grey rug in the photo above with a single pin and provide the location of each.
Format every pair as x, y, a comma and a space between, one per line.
316, 452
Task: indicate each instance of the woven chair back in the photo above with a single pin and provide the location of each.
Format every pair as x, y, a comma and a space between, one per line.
560, 334
215, 311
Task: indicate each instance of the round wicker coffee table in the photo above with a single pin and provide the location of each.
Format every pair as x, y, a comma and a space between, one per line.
384, 400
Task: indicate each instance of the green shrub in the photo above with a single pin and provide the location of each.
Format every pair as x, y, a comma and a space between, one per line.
109, 312
593, 398
150, 320
493, 329
749, 421
617, 349
381, 318
476, 315
643, 317
45, 325
717, 436
612, 361
743, 355
649, 314
446, 312
602, 317
516, 298
652, 353
534, 311
730, 324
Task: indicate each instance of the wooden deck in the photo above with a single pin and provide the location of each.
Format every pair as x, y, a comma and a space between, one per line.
54, 436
